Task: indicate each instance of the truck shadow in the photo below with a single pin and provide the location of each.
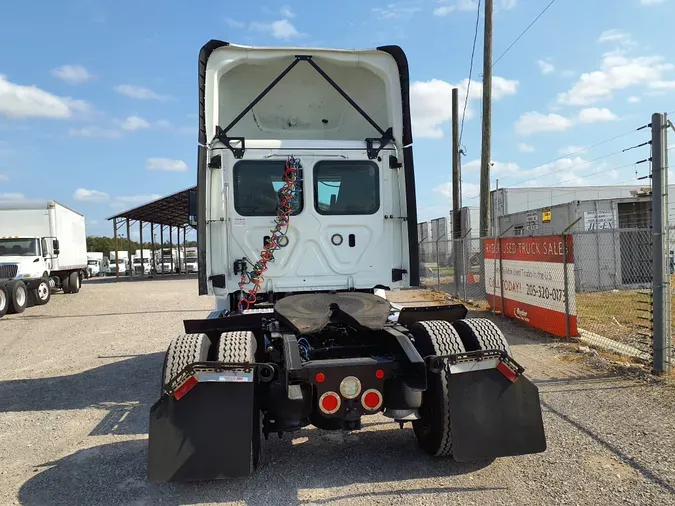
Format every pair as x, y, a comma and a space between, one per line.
115, 474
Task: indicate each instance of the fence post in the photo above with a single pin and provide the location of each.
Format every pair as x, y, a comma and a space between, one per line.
566, 288
501, 274
660, 278
438, 268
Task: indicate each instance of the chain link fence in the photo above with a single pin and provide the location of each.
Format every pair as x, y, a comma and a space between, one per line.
608, 271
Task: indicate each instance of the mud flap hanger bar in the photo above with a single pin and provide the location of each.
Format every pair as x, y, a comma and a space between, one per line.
386, 135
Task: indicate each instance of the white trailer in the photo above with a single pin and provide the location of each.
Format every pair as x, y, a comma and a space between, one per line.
43, 245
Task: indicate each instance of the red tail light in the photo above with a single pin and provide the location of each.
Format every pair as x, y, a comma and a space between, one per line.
185, 387
371, 400
329, 403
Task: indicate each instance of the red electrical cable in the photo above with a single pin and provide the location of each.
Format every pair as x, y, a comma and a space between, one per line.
287, 195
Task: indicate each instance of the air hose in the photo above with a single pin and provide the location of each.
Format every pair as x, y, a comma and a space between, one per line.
289, 197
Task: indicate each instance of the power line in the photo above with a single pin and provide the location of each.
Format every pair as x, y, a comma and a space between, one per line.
468, 86
587, 148
523, 32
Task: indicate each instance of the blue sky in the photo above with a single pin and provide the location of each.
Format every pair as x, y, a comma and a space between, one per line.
98, 100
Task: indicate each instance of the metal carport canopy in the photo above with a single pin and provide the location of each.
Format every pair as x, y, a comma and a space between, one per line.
171, 210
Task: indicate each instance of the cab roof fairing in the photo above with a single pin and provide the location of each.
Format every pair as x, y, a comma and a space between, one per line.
226, 58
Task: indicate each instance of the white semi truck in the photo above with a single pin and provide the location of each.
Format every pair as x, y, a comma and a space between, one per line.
191, 264
144, 266
305, 212
121, 264
43, 246
94, 264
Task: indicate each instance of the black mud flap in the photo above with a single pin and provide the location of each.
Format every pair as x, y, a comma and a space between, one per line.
490, 416
212, 432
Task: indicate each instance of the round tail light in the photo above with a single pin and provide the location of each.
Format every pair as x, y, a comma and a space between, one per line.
371, 400
329, 403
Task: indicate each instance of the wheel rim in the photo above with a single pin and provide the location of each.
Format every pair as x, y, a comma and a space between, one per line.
3, 300
43, 291
21, 296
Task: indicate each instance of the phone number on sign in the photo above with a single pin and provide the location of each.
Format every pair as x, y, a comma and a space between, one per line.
544, 292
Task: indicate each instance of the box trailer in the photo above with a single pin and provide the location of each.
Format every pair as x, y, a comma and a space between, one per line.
43, 246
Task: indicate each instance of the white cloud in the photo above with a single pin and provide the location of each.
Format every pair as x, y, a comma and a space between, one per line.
287, 12
18, 101
507, 5
95, 132
167, 125
568, 150
84, 195
4, 177
651, 2
132, 123
448, 7
12, 196
431, 102
126, 202
138, 92
633, 100
72, 74
468, 190
233, 23
662, 85
617, 72
595, 115
282, 29
525, 148
166, 164
397, 10
92, 223
615, 35
546, 67
536, 122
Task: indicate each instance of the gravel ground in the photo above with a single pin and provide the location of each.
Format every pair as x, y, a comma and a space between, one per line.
77, 378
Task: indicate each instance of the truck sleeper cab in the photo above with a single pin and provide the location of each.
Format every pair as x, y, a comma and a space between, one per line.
305, 211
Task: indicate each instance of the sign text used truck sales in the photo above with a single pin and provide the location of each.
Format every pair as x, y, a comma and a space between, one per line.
531, 278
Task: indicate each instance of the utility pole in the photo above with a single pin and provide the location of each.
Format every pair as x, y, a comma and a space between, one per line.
456, 189
660, 246
487, 123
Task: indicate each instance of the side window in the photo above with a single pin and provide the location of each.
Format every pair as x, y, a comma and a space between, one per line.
256, 187
346, 187
45, 251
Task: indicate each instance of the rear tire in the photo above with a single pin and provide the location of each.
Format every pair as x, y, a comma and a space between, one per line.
65, 284
481, 334
433, 428
237, 347
43, 293
75, 282
240, 347
184, 350
17, 297
4, 301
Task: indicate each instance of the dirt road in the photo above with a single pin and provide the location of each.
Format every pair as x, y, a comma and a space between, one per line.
77, 378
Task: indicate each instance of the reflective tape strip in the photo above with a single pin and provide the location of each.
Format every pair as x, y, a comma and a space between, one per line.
474, 365
225, 377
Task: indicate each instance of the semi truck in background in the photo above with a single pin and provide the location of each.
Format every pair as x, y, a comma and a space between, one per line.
94, 264
191, 265
142, 265
119, 263
43, 246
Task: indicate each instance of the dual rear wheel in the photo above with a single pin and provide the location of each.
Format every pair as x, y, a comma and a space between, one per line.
433, 429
